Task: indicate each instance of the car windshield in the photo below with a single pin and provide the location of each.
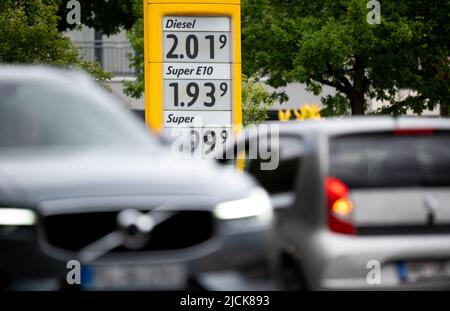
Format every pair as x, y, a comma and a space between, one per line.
387, 160
39, 114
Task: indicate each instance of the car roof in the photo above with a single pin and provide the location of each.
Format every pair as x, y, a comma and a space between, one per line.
348, 125
46, 74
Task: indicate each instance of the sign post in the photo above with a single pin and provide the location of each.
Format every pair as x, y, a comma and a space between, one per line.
193, 68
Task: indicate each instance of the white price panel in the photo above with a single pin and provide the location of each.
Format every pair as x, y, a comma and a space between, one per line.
197, 84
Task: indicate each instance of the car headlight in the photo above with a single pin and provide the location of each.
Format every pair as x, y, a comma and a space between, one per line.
17, 217
256, 205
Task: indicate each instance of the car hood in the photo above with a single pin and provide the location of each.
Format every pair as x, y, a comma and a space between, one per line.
32, 176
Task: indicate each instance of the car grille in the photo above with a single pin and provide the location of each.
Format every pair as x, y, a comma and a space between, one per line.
73, 232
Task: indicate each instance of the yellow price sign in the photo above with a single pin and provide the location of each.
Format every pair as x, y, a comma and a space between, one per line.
193, 67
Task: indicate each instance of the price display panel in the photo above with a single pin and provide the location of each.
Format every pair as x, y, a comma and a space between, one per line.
193, 69
197, 78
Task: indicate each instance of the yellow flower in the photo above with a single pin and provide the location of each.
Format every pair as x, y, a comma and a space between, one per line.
315, 111
310, 112
298, 114
306, 112
284, 116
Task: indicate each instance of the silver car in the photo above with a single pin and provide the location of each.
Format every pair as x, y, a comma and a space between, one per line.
89, 199
361, 203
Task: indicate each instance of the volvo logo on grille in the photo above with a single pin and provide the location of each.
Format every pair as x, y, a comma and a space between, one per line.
134, 232
135, 227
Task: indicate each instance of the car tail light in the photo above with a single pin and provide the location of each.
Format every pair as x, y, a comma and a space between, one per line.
339, 207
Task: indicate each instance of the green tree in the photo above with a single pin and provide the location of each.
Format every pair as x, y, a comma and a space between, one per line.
256, 101
330, 42
30, 36
135, 88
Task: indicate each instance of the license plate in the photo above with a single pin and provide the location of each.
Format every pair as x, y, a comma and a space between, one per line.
424, 271
135, 277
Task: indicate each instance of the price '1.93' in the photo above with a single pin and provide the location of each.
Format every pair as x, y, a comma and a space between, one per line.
193, 93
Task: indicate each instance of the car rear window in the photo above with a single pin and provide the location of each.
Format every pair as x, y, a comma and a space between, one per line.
390, 160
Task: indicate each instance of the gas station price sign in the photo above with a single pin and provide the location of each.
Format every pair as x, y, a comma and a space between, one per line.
193, 83
197, 70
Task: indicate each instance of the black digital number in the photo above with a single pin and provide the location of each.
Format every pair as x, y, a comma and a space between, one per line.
171, 53
223, 88
210, 142
175, 93
211, 45
223, 41
193, 94
192, 46
210, 94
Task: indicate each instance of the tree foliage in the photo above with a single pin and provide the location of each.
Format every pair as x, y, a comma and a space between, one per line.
256, 101
330, 42
30, 36
135, 88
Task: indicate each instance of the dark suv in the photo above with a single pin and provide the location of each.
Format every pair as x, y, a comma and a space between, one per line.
85, 186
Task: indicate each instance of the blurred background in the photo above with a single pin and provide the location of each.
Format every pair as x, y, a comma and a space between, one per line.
356, 97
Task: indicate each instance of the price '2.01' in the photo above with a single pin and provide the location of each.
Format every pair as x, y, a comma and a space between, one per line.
192, 45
